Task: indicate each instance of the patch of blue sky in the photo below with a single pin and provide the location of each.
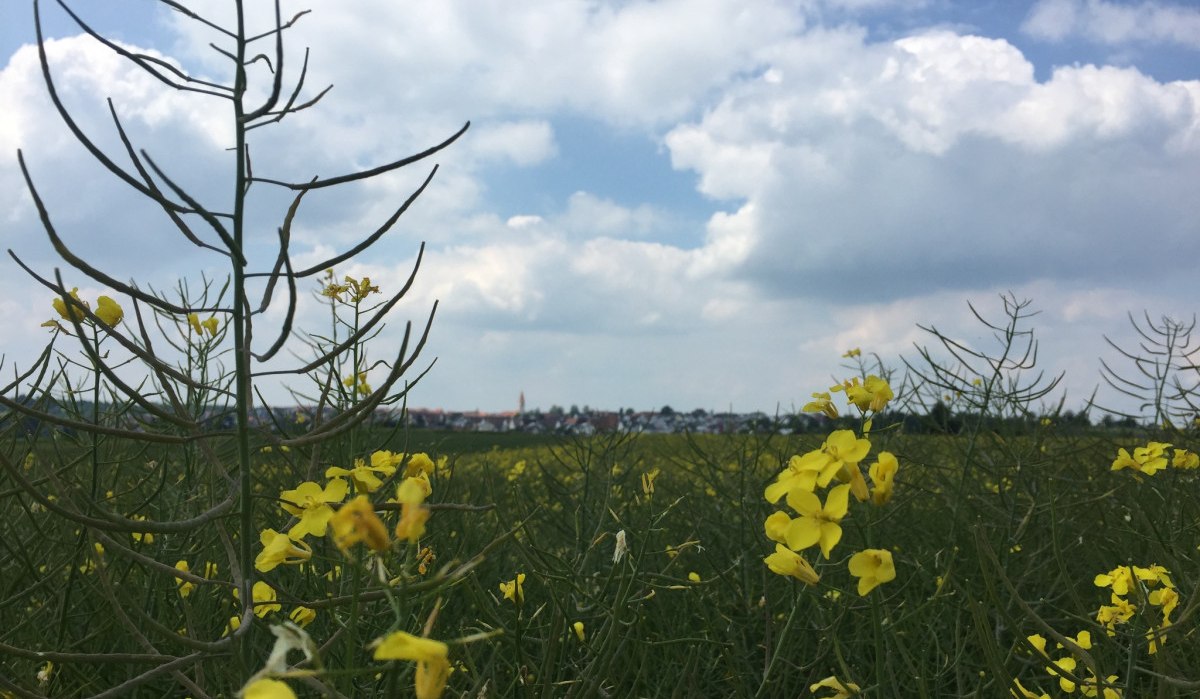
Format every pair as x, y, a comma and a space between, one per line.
626, 166
1004, 19
120, 21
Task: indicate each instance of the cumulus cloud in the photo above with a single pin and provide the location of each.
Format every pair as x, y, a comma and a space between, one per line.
521, 143
1114, 23
635, 63
938, 161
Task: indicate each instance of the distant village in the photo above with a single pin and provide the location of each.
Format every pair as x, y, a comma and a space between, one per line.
587, 421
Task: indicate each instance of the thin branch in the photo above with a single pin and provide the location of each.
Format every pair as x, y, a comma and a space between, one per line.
158, 198
141, 60
364, 174
277, 83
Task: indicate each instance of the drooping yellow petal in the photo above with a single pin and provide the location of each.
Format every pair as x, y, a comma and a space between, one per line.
401, 645
267, 688
789, 563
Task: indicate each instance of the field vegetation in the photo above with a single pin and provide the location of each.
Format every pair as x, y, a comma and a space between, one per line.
952, 533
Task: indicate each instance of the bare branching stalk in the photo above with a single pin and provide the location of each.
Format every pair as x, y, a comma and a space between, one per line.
158, 382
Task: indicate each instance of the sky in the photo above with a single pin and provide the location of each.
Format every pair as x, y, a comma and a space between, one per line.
694, 203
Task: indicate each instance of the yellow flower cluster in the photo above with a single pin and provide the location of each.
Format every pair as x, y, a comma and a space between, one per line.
200, 327
1127, 586
107, 310
841, 690
353, 290
312, 504
818, 523
1065, 668
321, 509
1152, 458
1152, 584
358, 382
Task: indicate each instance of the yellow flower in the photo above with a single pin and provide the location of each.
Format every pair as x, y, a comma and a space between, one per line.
1089, 688
425, 558
429, 681
803, 473
577, 627
786, 562
267, 688
310, 502
264, 599
872, 394
846, 450
648, 481
401, 645
1066, 664
1119, 579
840, 690
263, 596
142, 537
108, 311
360, 288
1148, 459
817, 523
419, 463
872, 567
776, 527
883, 474
280, 549
514, 589
852, 475
302, 616
1083, 639
194, 321
384, 462
694, 576
185, 588
1167, 598
413, 515
69, 313
852, 353
1153, 575
1119, 612
1185, 459
362, 475
1037, 641
821, 403
1019, 692
334, 290
356, 521
880, 391
210, 326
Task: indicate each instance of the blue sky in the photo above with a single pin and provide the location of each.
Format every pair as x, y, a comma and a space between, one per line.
700, 203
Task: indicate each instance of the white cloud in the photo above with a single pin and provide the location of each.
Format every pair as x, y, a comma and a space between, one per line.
884, 170
1114, 23
588, 216
635, 62
521, 143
